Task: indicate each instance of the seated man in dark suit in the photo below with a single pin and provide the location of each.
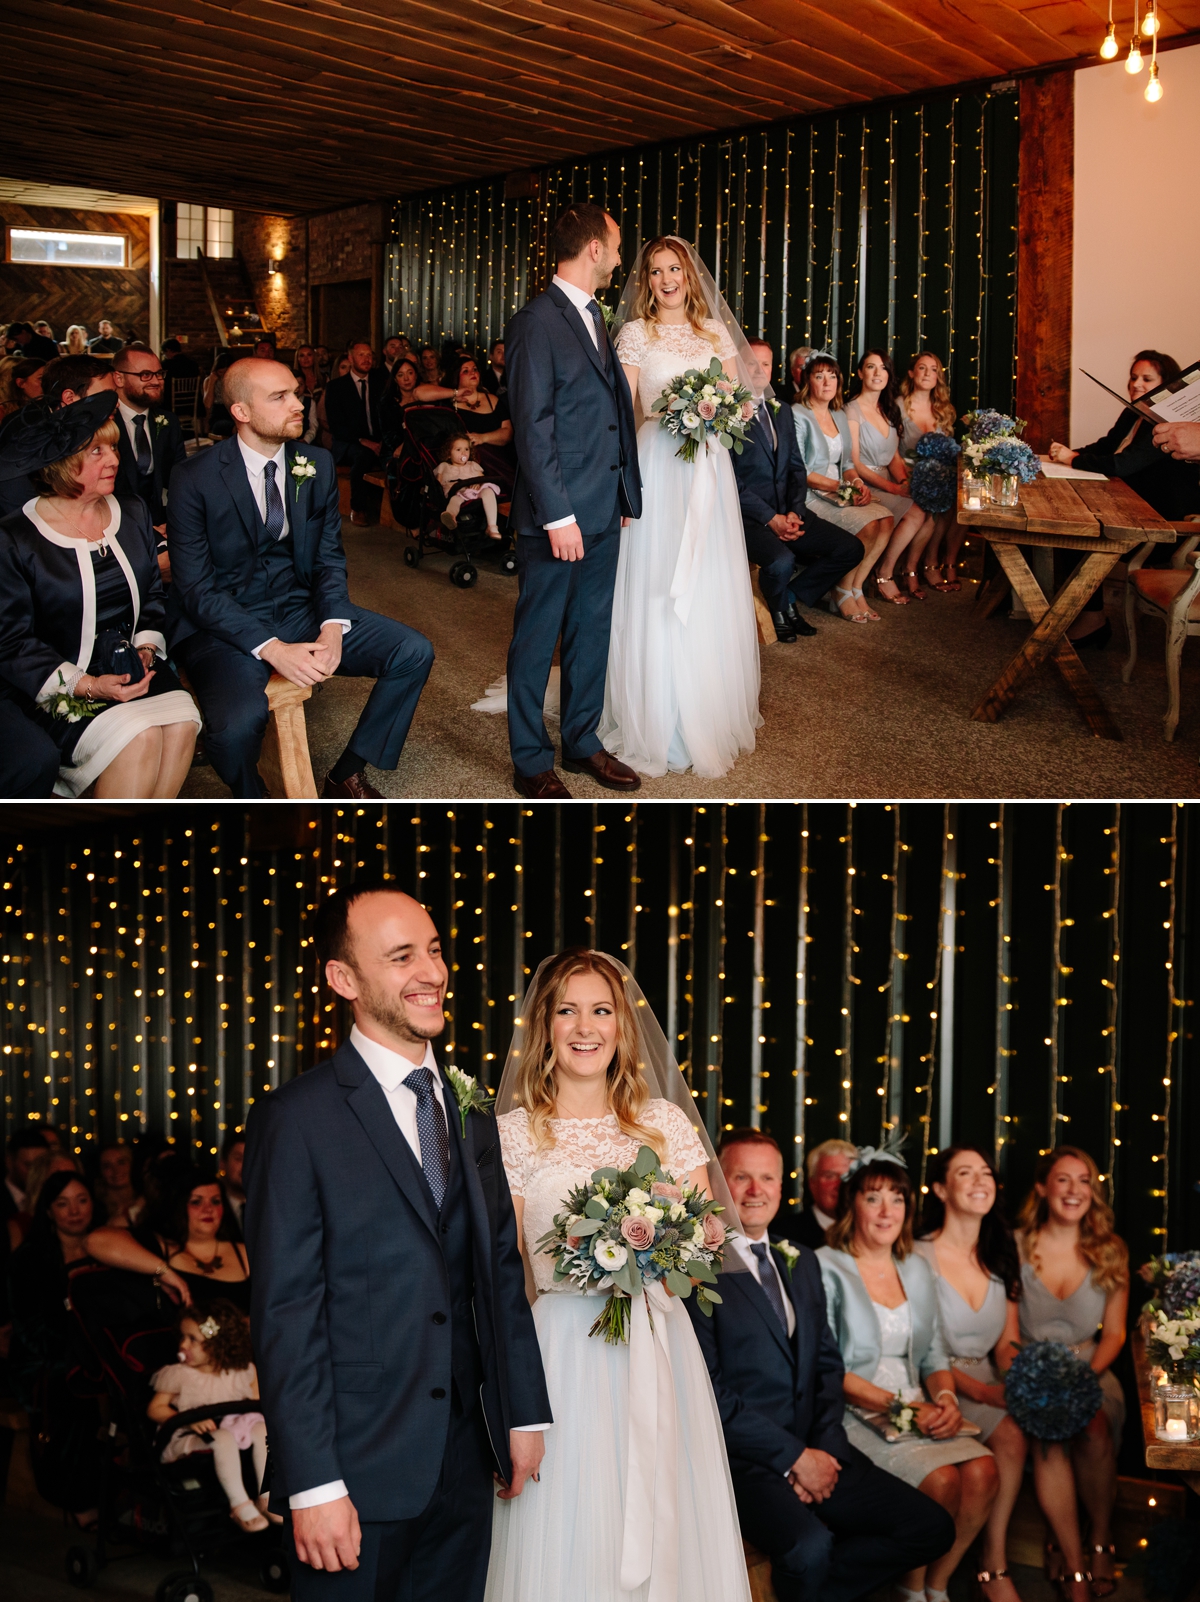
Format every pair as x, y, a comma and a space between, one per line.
259, 582
825, 1166
176, 362
106, 342
352, 405
151, 441
780, 532
833, 1524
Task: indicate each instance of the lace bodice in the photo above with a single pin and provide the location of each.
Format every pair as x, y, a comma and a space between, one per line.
581, 1145
895, 1333
664, 350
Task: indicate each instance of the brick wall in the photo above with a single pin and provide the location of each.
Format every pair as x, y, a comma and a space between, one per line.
344, 245
282, 297
66, 295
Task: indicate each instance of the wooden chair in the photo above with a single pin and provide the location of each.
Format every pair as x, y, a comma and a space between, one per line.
185, 394
758, 1568
343, 474
1172, 594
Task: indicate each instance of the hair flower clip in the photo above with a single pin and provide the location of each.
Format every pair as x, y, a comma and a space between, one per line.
209, 1328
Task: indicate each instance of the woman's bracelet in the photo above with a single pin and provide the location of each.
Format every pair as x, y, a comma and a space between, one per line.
946, 1391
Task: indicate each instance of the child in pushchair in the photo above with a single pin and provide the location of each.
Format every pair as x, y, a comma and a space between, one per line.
462, 482
455, 512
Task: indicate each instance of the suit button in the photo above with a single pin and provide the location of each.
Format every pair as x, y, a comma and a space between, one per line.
445, 1229
612, 428
439, 1318
613, 469
437, 1393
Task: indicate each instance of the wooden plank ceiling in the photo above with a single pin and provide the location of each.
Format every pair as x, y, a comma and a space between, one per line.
307, 105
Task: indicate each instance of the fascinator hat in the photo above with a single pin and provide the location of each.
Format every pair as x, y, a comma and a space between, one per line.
889, 1152
39, 436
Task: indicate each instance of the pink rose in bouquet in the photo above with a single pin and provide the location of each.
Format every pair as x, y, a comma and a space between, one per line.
724, 386
714, 1231
706, 409
639, 1232
673, 1193
747, 411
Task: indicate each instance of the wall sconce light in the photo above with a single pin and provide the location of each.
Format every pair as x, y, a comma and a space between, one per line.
274, 265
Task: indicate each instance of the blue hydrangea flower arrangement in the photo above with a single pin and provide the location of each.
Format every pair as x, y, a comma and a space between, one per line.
1175, 1277
934, 476
1051, 1392
988, 424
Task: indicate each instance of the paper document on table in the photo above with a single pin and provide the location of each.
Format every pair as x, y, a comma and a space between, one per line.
1057, 470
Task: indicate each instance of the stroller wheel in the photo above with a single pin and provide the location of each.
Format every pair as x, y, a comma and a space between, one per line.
412, 557
275, 1574
464, 575
186, 1587
83, 1567
508, 562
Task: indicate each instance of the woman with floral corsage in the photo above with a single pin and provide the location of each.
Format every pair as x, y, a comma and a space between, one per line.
635, 1499
973, 1257
1075, 1289
82, 652
883, 1311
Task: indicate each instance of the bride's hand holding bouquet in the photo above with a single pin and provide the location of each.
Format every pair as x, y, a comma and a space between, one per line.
702, 406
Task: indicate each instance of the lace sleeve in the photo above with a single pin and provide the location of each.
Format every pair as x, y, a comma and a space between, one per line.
684, 1151
516, 1148
725, 346
631, 344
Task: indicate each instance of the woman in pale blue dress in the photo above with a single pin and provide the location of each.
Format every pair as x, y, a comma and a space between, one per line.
1075, 1289
884, 1315
973, 1258
874, 419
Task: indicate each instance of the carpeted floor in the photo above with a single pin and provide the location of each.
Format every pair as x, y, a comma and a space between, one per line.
866, 711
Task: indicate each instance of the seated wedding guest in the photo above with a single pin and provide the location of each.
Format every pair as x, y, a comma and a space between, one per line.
259, 583
925, 408
795, 370
430, 365
33, 343
833, 1525
77, 340
1075, 1289
781, 533
115, 1191
264, 350
106, 341
352, 415
971, 1251
874, 420
65, 1425
176, 363
484, 415
82, 609
393, 349
191, 1243
323, 363
400, 394
51, 1161
151, 440
340, 368
495, 376
218, 422
883, 1309
20, 383
74, 378
304, 365
825, 1167
44, 330
824, 439
21, 1150
233, 1153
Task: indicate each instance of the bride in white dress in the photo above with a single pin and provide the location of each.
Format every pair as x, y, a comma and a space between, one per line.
683, 660
634, 1501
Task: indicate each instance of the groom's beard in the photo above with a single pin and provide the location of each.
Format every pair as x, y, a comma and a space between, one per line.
391, 1013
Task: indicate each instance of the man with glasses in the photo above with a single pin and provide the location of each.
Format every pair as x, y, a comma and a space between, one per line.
151, 440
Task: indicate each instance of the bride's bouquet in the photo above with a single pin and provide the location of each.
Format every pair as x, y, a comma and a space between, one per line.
628, 1228
700, 406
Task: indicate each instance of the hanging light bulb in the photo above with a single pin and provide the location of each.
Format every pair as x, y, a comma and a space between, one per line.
1153, 90
1150, 22
1110, 46
1133, 61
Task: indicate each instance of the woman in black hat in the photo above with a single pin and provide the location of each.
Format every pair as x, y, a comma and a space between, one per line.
82, 653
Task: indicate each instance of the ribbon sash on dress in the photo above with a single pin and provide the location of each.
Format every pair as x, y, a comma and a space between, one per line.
701, 501
650, 1546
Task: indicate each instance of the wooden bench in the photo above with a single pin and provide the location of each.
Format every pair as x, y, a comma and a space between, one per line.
284, 763
387, 518
758, 1565
343, 474
19, 1488
762, 613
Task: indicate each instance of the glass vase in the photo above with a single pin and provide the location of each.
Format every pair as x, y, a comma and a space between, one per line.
1004, 490
1176, 1413
974, 491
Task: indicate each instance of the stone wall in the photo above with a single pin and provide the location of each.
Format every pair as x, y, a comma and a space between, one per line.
344, 245
282, 297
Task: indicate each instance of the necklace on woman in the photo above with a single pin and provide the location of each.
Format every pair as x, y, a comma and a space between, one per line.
209, 1267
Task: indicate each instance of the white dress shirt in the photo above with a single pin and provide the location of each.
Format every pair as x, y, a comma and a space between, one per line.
581, 300
822, 1218
391, 1070
256, 472
741, 1244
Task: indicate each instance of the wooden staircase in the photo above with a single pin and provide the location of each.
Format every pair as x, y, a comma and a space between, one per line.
206, 302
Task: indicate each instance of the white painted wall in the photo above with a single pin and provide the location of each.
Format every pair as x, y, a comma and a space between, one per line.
1137, 228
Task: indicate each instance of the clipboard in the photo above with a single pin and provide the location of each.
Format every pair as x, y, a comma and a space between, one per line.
1169, 403
1139, 406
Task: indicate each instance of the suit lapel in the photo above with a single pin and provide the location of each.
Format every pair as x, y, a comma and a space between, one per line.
747, 1283
369, 1105
233, 471
574, 322
296, 502
468, 1155
801, 1332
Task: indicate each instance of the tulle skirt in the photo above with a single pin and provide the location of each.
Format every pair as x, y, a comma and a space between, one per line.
561, 1540
683, 659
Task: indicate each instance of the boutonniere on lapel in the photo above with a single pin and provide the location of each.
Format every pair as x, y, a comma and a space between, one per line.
789, 1253
607, 313
161, 420
776, 406
469, 1095
302, 470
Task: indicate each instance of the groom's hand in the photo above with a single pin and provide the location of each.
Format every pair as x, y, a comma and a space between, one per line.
327, 1536
567, 542
526, 1448
814, 1474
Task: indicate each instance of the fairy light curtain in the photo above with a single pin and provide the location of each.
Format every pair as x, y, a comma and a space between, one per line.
895, 226
160, 973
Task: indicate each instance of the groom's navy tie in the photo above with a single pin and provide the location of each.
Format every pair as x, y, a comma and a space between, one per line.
601, 340
432, 1133
769, 1280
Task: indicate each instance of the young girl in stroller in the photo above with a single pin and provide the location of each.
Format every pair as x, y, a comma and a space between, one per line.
457, 467
214, 1366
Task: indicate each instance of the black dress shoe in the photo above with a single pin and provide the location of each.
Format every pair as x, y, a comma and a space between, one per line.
784, 632
545, 786
801, 625
1096, 640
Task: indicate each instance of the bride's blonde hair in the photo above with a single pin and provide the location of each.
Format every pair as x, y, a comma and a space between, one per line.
627, 1090
694, 302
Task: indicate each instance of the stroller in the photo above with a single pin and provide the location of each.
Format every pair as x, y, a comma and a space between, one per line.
418, 500
125, 1329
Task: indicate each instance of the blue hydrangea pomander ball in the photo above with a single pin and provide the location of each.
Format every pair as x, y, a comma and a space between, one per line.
1051, 1392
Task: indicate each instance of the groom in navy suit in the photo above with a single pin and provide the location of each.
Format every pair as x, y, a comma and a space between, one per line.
833, 1524
577, 486
397, 1357
259, 583
781, 532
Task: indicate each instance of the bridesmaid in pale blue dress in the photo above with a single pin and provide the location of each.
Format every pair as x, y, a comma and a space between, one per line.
884, 1315
977, 1272
874, 420
1075, 1289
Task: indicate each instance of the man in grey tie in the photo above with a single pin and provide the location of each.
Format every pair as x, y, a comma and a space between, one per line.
352, 405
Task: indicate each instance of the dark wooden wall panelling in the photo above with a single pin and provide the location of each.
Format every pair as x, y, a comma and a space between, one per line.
66, 295
1045, 254
895, 227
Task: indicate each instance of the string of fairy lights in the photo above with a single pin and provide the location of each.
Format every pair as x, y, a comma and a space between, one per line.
785, 215
162, 978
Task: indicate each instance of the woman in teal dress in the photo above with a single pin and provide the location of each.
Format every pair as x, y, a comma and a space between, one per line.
883, 1311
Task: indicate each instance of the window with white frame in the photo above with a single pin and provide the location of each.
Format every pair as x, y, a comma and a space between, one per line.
52, 247
219, 231
206, 228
